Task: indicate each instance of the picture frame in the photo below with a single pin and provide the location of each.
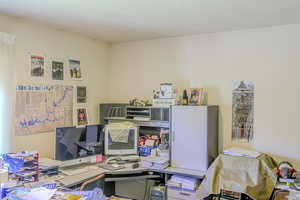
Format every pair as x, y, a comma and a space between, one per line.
166, 91
81, 94
57, 70
75, 69
37, 65
81, 116
196, 96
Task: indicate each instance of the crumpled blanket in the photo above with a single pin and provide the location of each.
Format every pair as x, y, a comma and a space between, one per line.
251, 176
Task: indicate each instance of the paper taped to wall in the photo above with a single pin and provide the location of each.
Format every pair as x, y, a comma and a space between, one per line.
41, 108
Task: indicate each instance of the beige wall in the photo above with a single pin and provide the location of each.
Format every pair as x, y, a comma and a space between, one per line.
55, 44
269, 57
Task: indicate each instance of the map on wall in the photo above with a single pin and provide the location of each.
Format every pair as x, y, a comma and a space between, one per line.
42, 108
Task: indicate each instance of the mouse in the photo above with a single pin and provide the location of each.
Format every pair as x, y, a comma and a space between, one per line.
135, 165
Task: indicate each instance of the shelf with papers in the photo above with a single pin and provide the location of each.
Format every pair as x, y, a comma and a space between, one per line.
180, 171
148, 123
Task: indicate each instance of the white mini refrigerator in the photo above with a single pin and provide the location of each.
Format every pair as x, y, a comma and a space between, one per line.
194, 136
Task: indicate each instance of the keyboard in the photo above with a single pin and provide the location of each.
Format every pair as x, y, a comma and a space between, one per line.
69, 181
111, 167
130, 158
123, 159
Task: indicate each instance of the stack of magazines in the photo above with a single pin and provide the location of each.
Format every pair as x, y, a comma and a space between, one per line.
184, 182
235, 151
158, 163
182, 187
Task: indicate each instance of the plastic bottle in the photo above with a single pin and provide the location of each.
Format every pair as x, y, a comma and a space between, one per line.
185, 99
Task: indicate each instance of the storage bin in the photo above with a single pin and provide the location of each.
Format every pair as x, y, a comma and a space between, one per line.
144, 150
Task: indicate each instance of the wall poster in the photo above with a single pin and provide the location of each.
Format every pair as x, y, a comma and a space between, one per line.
81, 94
242, 111
37, 65
82, 118
57, 70
75, 69
42, 108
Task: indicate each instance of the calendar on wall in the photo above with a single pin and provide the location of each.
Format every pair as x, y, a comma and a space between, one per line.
242, 111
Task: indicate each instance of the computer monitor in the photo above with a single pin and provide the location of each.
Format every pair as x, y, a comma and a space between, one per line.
77, 142
120, 140
65, 142
92, 133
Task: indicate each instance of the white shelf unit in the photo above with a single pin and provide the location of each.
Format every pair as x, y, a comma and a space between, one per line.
194, 136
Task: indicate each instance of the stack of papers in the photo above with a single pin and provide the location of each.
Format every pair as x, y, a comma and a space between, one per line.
40, 194
184, 182
241, 152
157, 163
46, 163
294, 195
142, 118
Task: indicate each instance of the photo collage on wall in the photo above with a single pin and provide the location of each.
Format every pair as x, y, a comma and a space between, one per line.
56, 71
62, 70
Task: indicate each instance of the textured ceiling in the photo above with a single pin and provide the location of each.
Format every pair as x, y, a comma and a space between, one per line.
128, 20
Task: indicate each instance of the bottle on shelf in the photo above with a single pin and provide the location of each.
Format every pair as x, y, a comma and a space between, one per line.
185, 99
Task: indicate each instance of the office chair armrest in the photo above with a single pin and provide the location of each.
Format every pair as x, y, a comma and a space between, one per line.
90, 181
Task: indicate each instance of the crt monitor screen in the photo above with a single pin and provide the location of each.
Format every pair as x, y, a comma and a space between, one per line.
120, 141
65, 142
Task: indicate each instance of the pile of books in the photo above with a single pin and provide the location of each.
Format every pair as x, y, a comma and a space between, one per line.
183, 187
184, 182
157, 163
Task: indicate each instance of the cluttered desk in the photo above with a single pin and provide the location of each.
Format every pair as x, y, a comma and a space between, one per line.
79, 159
136, 177
129, 159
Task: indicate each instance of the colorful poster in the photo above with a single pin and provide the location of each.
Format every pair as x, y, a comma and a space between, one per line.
242, 111
75, 70
42, 108
37, 64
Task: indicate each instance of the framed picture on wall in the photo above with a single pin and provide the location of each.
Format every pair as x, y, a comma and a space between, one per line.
57, 70
242, 110
37, 66
75, 69
81, 94
82, 117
